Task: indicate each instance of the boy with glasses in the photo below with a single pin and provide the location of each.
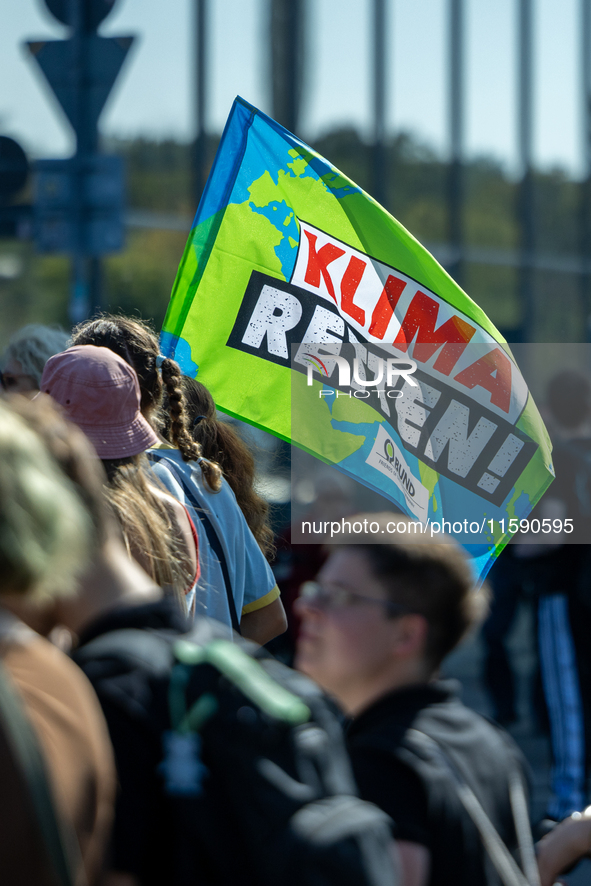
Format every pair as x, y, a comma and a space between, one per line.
375, 629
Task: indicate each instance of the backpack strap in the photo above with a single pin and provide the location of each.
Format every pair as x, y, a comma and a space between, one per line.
210, 531
248, 675
25, 747
499, 855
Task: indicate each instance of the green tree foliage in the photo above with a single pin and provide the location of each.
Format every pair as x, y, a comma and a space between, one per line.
139, 279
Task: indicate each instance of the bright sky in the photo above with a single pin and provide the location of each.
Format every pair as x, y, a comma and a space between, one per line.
153, 95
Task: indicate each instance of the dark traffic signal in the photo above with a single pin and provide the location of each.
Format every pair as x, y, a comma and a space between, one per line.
14, 171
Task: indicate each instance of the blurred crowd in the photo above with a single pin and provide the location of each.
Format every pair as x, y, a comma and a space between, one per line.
146, 734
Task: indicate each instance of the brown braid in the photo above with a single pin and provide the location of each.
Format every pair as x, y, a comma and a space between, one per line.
179, 435
136, 343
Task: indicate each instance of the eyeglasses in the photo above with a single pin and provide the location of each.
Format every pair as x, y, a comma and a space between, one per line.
338, 597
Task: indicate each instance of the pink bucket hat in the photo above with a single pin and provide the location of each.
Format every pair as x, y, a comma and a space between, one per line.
100, 393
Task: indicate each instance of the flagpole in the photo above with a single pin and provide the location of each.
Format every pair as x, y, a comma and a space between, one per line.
379, 171
585, 187
456, 138
200, 143
526, 186
287, 62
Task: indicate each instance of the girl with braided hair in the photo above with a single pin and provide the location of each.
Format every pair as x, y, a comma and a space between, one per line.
236, 585
136, 343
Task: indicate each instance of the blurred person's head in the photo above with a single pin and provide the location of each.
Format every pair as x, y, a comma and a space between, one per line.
75, 456
26, 354
569, 398
99, 392
221, 444
44, 528
111, 577
385, 613
332, 491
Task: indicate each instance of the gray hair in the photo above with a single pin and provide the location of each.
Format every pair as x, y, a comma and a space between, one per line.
33, 345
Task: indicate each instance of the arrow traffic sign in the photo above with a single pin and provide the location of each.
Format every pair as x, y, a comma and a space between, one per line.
99, 64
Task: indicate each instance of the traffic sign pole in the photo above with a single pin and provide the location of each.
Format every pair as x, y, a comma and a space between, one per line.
80, 306
81, 72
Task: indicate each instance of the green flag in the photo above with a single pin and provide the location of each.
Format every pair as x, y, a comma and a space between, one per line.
310, 312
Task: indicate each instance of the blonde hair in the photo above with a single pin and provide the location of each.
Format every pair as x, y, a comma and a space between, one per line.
33, 345
147, 530
45, 530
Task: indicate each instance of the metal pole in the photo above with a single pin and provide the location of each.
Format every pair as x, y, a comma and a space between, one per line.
292, 64
95, 284
80, 286
585, 189
286, 34
379, 166
456, 138
526, 187
85, 295
200, 145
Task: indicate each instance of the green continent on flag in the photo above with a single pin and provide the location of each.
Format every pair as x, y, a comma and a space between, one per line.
310, 312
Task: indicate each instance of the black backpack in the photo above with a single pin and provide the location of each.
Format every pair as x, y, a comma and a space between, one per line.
254, 777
